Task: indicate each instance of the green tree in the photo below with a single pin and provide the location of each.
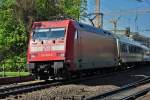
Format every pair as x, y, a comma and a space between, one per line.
16, 18
12, 36
36, 10
76, 9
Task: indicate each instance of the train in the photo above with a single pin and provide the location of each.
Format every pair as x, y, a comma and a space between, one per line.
63, 48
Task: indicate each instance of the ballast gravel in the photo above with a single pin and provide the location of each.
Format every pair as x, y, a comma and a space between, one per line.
86, 88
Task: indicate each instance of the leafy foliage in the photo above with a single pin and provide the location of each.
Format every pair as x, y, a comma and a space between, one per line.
75, 9
12, 36
16, 18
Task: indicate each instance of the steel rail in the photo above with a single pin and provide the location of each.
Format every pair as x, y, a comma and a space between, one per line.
114, 93
136, 95
4, 92
21, 85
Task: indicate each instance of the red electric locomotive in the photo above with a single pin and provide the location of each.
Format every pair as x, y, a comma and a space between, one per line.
63, 48
50, 49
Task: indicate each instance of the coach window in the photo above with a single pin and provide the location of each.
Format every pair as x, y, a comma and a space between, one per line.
123, 47
130, 48
138, 50
135, 49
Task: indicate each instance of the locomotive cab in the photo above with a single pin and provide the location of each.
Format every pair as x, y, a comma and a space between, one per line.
47, 49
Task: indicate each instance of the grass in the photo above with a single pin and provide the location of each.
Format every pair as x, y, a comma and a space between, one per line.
14, 74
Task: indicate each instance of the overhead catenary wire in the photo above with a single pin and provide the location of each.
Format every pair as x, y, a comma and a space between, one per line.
124, 12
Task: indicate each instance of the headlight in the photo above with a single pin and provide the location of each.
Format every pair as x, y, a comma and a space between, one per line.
33, 55
57, 47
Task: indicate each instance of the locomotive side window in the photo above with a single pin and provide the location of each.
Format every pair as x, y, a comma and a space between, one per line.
45, 34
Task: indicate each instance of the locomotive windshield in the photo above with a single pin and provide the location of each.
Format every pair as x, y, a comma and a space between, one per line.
45, 34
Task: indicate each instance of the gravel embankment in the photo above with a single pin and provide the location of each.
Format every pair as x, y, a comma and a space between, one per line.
86, 88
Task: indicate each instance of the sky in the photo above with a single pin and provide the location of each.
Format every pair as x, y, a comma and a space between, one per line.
127, 13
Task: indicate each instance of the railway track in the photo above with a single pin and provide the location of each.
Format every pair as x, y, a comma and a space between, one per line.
20, 89
127, 92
